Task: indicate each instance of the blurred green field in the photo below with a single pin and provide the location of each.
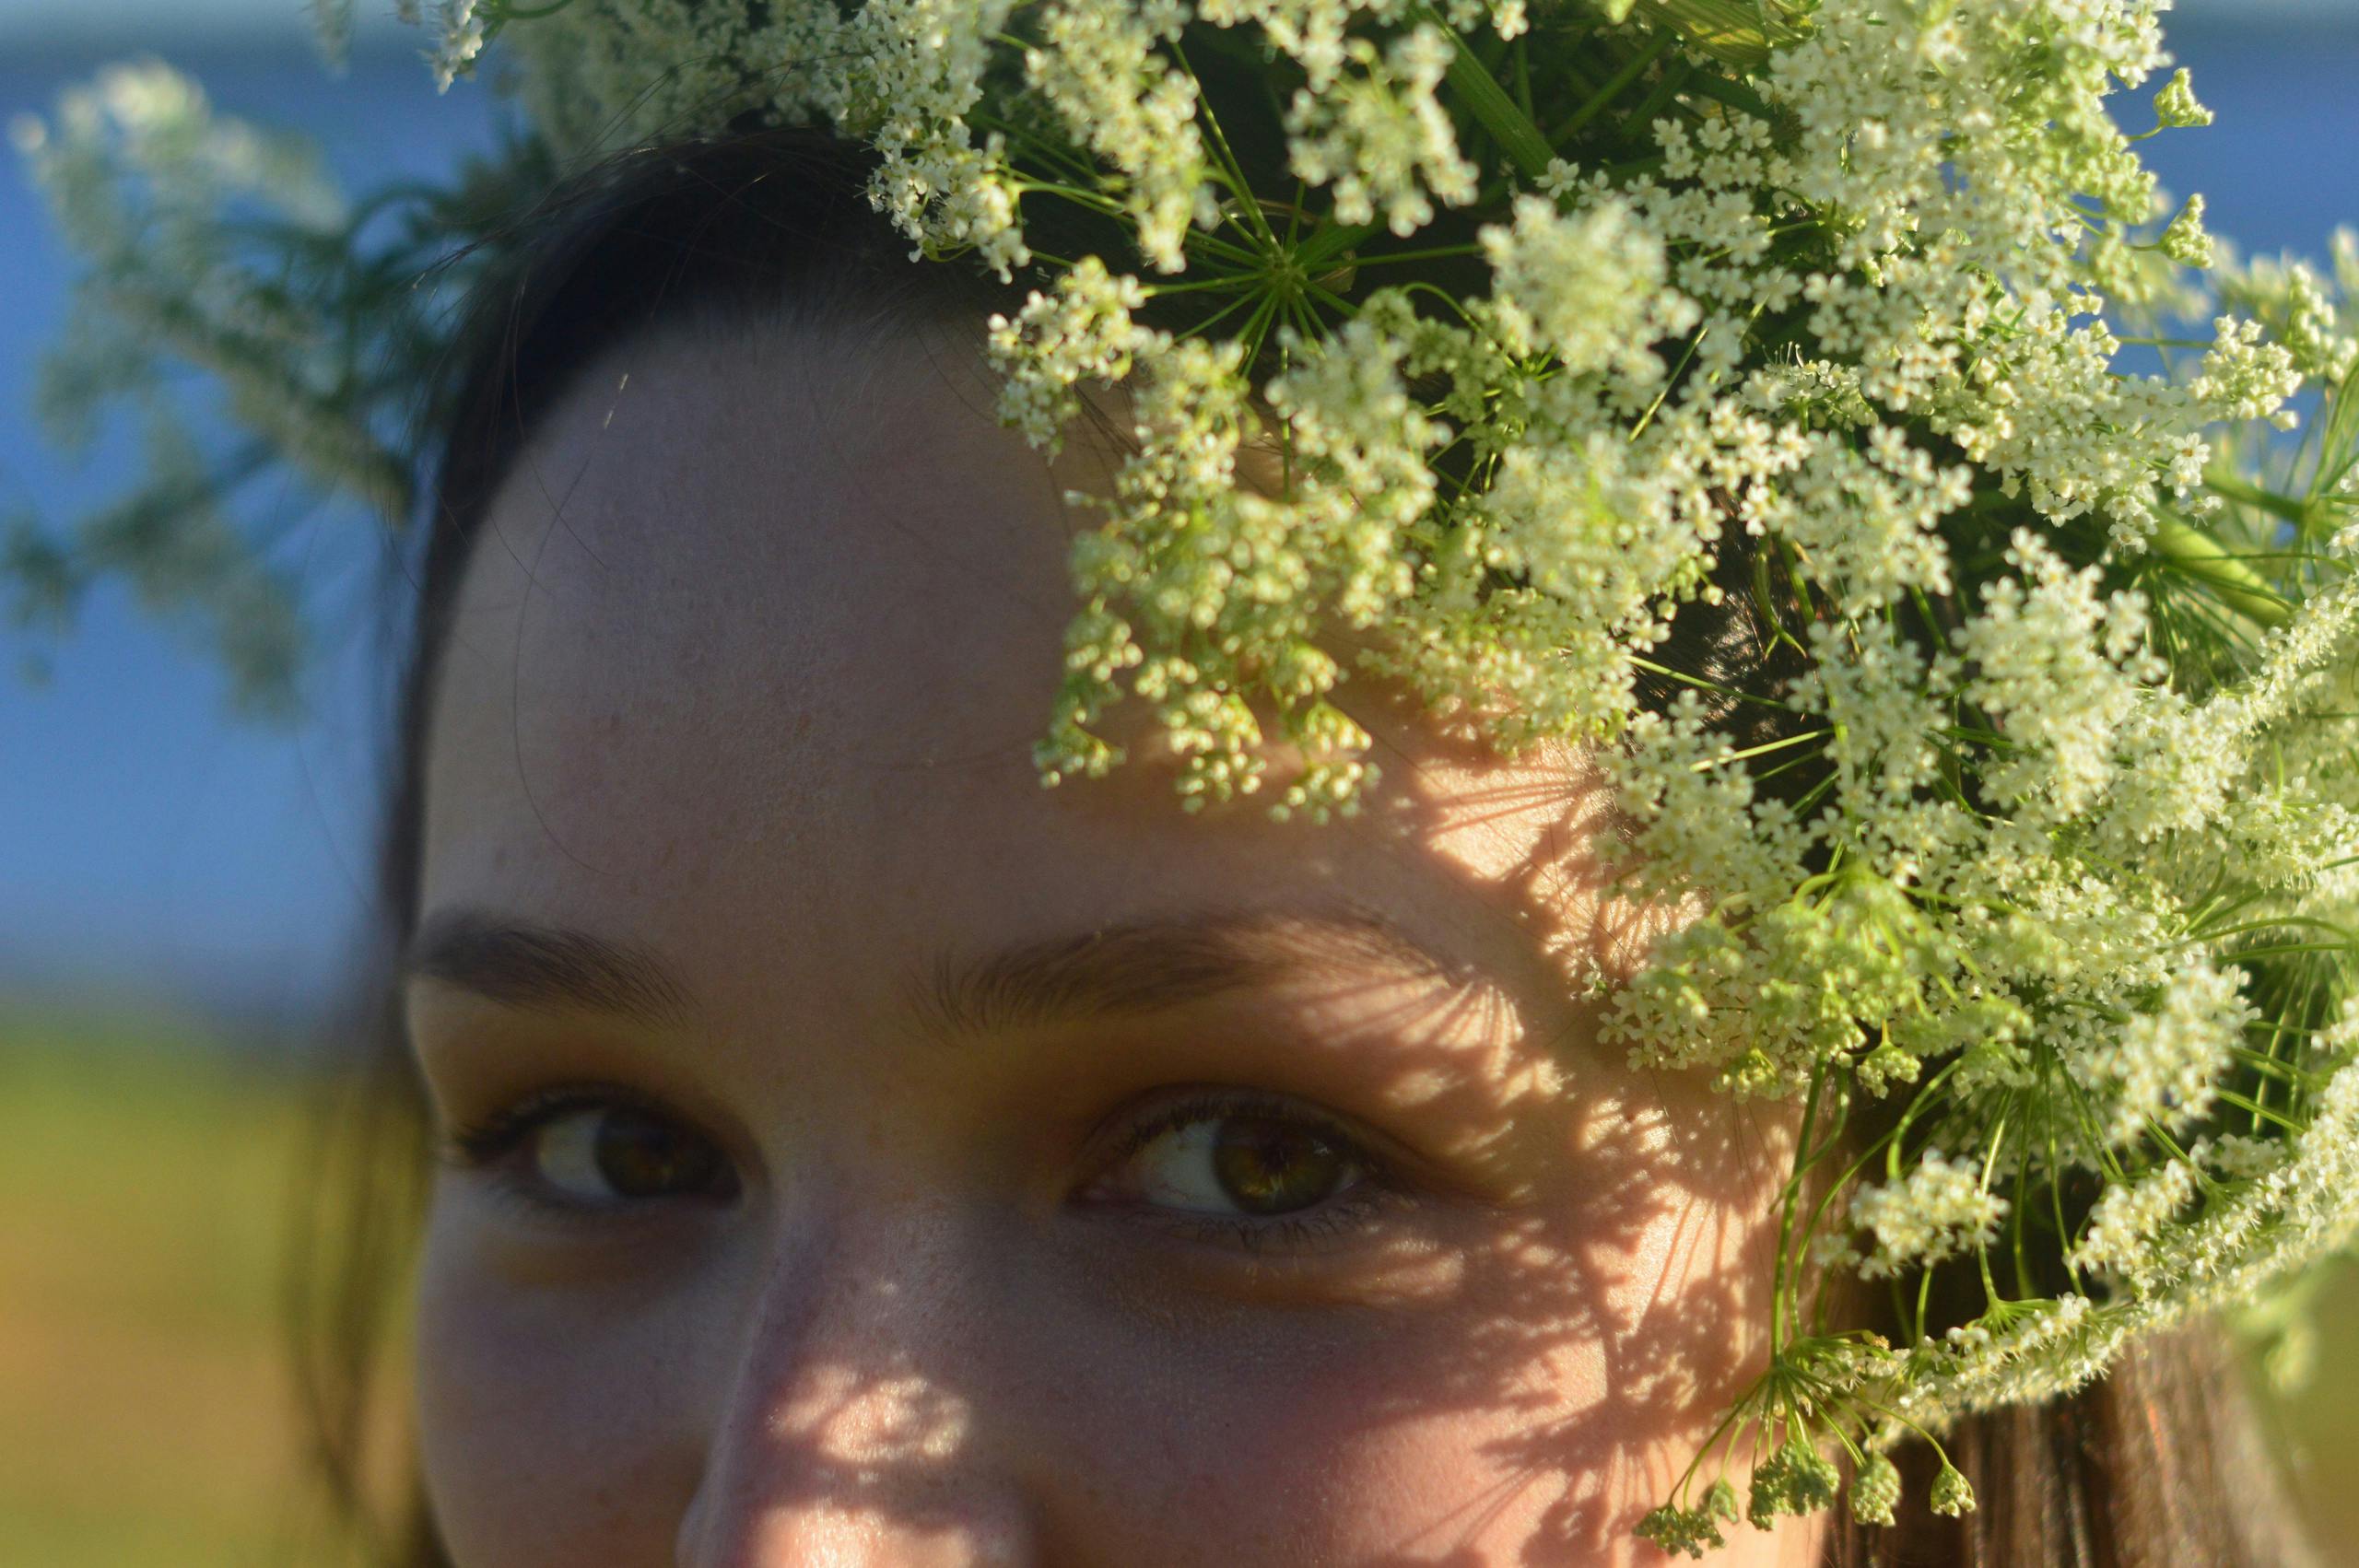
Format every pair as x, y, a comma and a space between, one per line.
146, 1414
147, 1419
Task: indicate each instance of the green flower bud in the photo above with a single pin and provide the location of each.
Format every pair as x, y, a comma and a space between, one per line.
1952, 1494
1874, 1490
2175, 106
1797, 1478
1675, 1530
2185, 240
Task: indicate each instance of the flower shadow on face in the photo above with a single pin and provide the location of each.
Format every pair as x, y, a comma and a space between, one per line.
1650, 1266
1536, 1385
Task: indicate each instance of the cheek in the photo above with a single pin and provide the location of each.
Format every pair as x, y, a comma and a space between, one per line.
1592, 1353
1256, 1441
1532, 1418
545, 1417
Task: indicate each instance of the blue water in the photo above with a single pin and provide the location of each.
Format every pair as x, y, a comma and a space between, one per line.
150, 844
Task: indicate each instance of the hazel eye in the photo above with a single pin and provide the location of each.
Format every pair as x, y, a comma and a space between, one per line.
603, 1154
1244, 1162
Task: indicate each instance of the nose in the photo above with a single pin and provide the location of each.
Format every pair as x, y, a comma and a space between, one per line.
842, 1442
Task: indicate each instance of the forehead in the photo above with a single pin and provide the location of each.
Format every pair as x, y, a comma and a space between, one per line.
752, 655
726, 577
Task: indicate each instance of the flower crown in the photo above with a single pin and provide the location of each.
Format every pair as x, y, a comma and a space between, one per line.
2050, 877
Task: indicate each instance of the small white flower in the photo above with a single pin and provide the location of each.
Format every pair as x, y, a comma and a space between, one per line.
462, 38
1937, 1211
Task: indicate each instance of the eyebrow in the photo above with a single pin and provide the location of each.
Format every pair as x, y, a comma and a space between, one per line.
550, 966
1157, 965
1129, 968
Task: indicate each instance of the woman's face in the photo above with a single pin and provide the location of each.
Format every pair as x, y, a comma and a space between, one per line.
870, 1157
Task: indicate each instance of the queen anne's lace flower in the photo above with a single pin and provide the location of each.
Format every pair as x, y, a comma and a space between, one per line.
1950, 1494
2127, 1217
2163, 1067
462, 39
1083, 330
1937, 1211
1380, 139
1586, 287
1789, 334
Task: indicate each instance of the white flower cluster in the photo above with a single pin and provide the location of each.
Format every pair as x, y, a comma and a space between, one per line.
2062, 670
1080, 331
2162, 1068
461, 28
1379, 136
2129, 1216
2270, 1217
1585, 287
1941, 1208
1613, 360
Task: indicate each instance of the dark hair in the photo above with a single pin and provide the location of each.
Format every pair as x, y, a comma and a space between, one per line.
2158, 1463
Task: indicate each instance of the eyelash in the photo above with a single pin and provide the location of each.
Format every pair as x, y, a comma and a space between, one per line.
474, 1144
484, 1145
1373, 1188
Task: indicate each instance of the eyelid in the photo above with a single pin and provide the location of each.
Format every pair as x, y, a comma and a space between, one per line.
1378, 1188
1177, 1108
485, 1139
489, 1146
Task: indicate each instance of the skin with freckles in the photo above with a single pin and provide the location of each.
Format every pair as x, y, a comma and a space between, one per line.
862, 1156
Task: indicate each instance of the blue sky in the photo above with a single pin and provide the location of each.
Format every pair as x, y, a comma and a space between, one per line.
152, 845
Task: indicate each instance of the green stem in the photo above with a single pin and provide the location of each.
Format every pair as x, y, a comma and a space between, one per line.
1614, 87
1763, 749
2303, 515
2261, 1112
1241, 281
1334, 240
2197, 555
1489, 103
1232, 170
1432, 253
1675, 77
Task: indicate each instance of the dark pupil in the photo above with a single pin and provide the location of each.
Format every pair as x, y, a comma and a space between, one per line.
643, 1157
1271, 1167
